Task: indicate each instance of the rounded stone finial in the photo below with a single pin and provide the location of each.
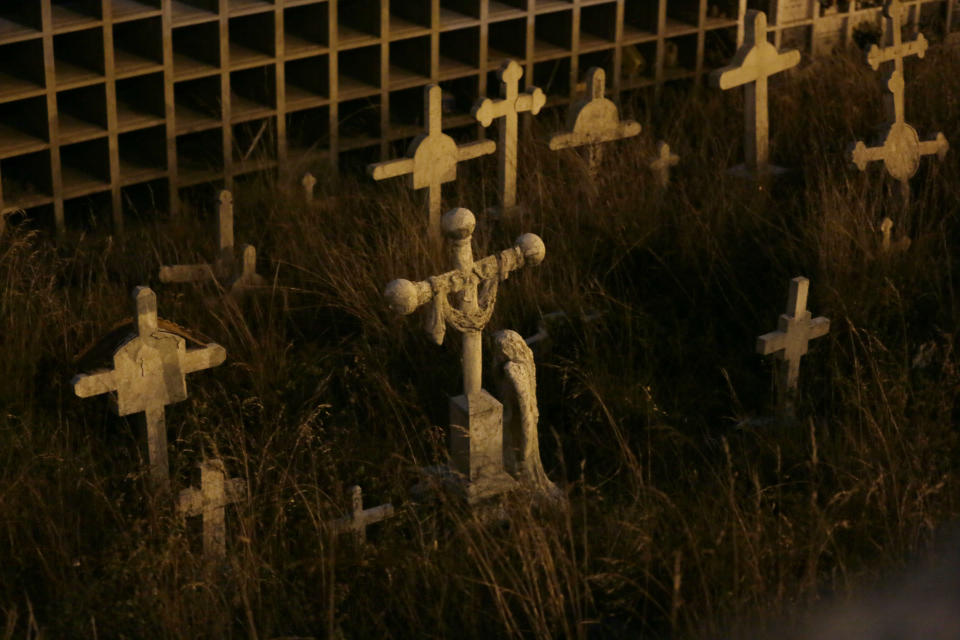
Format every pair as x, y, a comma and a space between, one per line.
458, 223
402, 296
532, 247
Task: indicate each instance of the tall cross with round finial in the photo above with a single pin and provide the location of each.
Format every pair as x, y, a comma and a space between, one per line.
901, 149
432, 159
755, 61
511, 104
149, 369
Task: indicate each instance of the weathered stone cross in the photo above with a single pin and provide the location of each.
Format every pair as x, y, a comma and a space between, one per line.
149, 372
662, 163
308, 182
752, 66
224, 266
508, 107
789, 343
593, 121
359, 518
476, 417
209, 501
902, 149
432, 159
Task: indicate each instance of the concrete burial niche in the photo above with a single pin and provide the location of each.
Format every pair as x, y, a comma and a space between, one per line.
476, 417
149, 372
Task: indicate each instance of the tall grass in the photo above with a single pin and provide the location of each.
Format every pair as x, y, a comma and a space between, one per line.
688, 514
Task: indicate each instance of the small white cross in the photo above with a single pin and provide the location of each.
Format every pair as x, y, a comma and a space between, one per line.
308, 182
662, 162
359, 518
209, 502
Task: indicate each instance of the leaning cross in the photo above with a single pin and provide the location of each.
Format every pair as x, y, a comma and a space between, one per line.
752, 65
662, 163
476, 418
149, 370
359, 518
592, 121
508, 107
789, 343
432, 159
902, 149
209, 502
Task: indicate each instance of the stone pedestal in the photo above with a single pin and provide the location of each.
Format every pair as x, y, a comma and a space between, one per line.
476, 445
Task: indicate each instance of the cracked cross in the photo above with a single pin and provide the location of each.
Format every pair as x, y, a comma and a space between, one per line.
901, 149
476, 417
209, 502
511, 104
789, 343
593, 121
432, 160
755, 61
149, 372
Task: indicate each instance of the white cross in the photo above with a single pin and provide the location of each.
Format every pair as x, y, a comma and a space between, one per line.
209, 502
512, 102
592, 121
901, 149
662, 162
432, 159
308, 182
886, 245
789, 343
149, 372
359, 518
752, 66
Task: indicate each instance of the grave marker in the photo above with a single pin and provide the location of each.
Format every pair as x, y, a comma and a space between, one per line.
149, 372
751, 68
901, 149
209, 502
308, 182
789, 343
886, 244
359, 518
432, 160
592, 121
662, 162
508, 107
224, 267
476, 417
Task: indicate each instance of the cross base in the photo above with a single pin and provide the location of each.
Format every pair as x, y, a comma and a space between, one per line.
443, 479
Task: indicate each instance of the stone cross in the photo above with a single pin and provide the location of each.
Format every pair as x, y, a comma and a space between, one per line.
789, 343
359, 518
149, 372
901, 149
593, 121
886, 245
476, 417
432, 159
752, 66
209, 502
308, 182
510, 105
224, 267
662, 162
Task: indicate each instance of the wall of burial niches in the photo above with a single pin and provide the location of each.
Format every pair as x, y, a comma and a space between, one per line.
109, 104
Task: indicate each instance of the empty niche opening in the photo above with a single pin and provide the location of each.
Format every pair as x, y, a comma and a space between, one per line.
598, 25
196, 49
308, 134
26, 179
21, 15
459, 52
79, 56
31, 218
255, 142
251, 39
680, 56
21, 66
199, 156
409, 16
409, 62
553, 77
146, 201
639, 20
82, 113
253, 92
554, 32
137, 44
359, 123
198, 104
458, 98
143, 154
85, 167
638, 64
358, 21
719, 47
406, 113
306, 27
507, 40
454, 10
69, 13
359, 71
140, 101
23, 124
307, 81
88, 213
684, 13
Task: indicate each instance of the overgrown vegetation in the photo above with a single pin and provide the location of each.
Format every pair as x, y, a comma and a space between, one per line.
686, 517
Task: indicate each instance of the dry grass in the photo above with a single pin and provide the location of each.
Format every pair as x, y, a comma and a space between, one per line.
685, 517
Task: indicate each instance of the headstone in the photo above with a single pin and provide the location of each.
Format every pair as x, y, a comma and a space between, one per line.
902, 149
149, 372
517, 374
308, 182
209, 502
359, 519
662, 162
476, 418
224, 267
508, 107
593, 121
753, 64
432, 160
796, 329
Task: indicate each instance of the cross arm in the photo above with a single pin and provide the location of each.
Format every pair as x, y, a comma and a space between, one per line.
938, 146
771, 342
818, 327
475, 149
186, 273
206, 357
531, 100
86, 385
390, 168
877, 56
192, 503
862, 155
487, 109
362, 518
